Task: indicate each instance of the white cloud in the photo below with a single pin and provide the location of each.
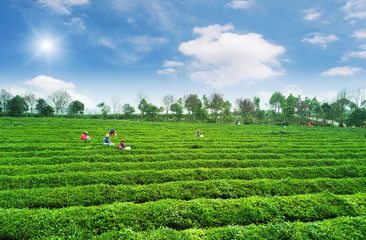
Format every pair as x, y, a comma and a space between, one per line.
241, 4
341, 71
49, 84
168, 71
360, 54
43, 85
355, 9
77, 24
222, 58
311, 14
319, 39
359, 34
171, 64
62, 6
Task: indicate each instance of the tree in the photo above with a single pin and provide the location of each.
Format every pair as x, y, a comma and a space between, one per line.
326, 109
60, 100
151, 111
288, 107
192, 103
312, 104
246, 109
276, 101
142, 107
216, 101
226, 113
17, 106
43, 108
5, 97
30, 100
301, 109
168, 100
358, 96
128, 110
115, 101
76, 108
177, 109
257, 101
105, 109
340, 107
357, 118
363, 104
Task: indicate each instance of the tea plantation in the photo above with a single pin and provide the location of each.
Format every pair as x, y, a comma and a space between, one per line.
235, 182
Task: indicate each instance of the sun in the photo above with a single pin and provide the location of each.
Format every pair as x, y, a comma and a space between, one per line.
46, 46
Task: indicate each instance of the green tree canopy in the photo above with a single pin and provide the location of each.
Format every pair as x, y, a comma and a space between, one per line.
17, 106
43, 108
76, 108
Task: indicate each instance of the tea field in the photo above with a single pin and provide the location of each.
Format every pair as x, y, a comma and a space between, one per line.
236, 182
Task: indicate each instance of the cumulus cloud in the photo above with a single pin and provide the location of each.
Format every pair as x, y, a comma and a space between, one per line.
355, 9
62, 6
311, 14
241, 4
43, 85
221, 58
49, 84
319, 39
359, 34
341, 71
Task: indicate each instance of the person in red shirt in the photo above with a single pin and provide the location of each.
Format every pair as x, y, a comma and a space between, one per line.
85, 136
310, 125
122, 144
113, 132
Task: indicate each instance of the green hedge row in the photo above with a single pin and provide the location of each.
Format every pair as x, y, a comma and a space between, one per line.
99, 194
124, 156
192, 149
337, 229
200, 174
175, 164
177, 214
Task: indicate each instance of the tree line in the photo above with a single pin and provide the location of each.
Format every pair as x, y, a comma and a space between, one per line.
348, 107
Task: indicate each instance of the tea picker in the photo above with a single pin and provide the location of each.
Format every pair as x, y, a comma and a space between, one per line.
85, 136
123, 146
107, 140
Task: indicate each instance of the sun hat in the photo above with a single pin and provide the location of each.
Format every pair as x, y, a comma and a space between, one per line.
112, 129
107, 135
122, 140
85, 132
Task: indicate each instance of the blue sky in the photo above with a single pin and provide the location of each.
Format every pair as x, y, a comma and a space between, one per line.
241, 48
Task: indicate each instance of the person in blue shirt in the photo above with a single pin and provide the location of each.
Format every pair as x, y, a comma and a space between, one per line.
107, 140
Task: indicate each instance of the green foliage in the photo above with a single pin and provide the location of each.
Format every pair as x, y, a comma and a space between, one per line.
76, 108
43, 108
236, 182
17, 106
357, 118
128, 110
